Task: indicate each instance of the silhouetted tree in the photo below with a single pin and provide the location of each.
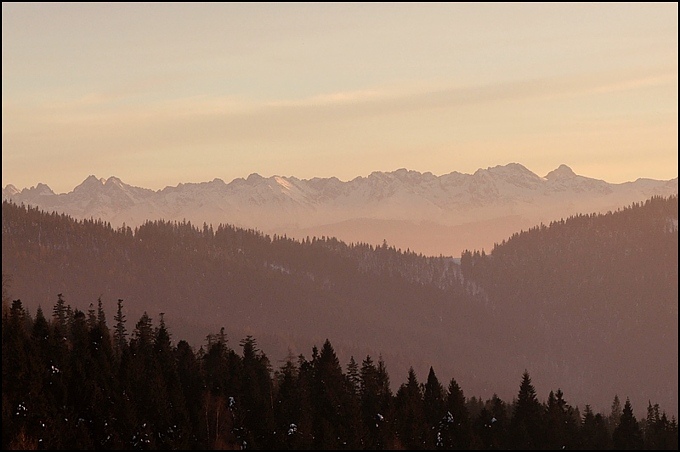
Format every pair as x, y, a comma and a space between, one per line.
627, 435
410, 414
593, 434
455, 425
120, 332
526, 427
433, 406
256, 397
560, 423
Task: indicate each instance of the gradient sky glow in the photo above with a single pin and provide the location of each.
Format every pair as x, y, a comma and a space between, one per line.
158, 94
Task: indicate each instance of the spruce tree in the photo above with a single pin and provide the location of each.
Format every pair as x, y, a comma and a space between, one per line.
593, 433
456, 428
335, 413
353, 375
120, 332
410, 414
560, 422
433, 405
627, 435
60, 315
526, 428
256, 396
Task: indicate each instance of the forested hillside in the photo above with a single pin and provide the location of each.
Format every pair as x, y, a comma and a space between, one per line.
588, 303
592, 286
289, 294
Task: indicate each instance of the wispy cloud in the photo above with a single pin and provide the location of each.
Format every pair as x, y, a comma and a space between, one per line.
389, 118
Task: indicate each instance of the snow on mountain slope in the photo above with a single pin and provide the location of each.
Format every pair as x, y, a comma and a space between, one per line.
399, 205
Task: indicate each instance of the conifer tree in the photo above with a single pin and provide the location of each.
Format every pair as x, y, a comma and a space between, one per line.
101, 316
256, 396
526, 427
287, 405
433, 405
560, 422
336, 414
353, 375
60, 313
143, 334
91, 316
120, 332
615, 415
491, 426
456, 430
371, 417
409, 414
593, 434
627, 435
171, 420
16, 375
191, 382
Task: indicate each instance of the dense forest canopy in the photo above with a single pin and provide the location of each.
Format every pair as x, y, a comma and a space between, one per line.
70, 381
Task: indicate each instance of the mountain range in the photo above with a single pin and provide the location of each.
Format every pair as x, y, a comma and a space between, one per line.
421, 212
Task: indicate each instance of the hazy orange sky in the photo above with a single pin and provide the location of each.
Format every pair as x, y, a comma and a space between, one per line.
158, 94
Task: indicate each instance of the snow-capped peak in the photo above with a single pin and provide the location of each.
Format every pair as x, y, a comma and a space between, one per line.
561, 172
113, 180
10, 190
254, 177
39, 190
89, 184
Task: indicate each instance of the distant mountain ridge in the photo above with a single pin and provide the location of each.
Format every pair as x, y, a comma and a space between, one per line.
459, 211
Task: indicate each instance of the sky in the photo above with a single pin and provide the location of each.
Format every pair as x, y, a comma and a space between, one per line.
158, 94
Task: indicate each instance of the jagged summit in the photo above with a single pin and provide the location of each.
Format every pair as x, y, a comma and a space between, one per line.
561, 172
39, 190
113, 180
10, 189
254, 177
509, 168
92, 180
